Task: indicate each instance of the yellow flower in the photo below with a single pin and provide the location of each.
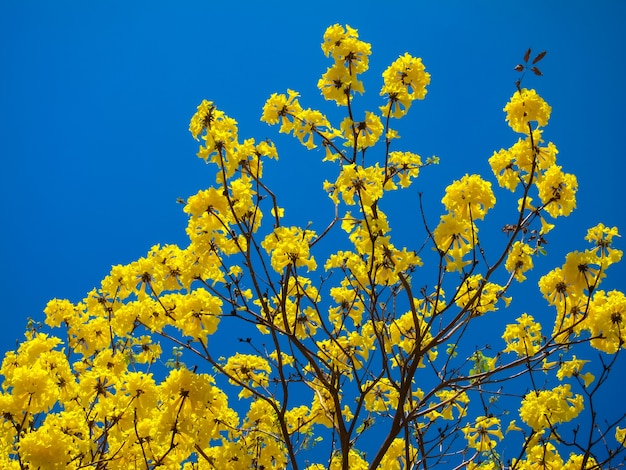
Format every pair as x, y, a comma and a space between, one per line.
220, 135
355, 461
481, 435
519, 260
542, 455
396, 456
403, 335
479, 304
502, 165
202, 119
545, 408
404, 165
484, 465
55, 445
602, 238
336, 84
449, 400
554, 286
345, 48
306, 124
523, 338
289, 246
469, 198
455, 233
573, 367
366, 183
620, 435
582, 271
526, 107
60, 311
246, 369
349, 304
363, 134
512, 427
557, 190
575, 462
405, 80
280, 108
197, 313
606, 321
381, 396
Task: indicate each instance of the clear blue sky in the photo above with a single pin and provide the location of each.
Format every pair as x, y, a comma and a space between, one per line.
95, 100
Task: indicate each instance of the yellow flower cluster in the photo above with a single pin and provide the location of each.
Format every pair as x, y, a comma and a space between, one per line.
350, 351
361, 134
519, 260
405, 81
404, 165
354, 181
466, 200
481, 435
376, 259
450, 400
110, 408
323, 410
289, 246
606, 319
524, 337
399, 455
305, 124
602, 238
557, 191
573, 290
528, 162
380, 396
408, 332
349, 304
469, 198
478, 296
290, 314
355, 461
524, 107
248, 371
573, 367
351, 57
546, 408
541, 453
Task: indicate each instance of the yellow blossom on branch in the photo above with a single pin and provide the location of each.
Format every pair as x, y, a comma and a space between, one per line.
481, 435
362, 134
469, 198
524, 338
345, 48
280, 108
519, 260
248, 371
405, 80
557, 191
546, 408
290, 246
524, 107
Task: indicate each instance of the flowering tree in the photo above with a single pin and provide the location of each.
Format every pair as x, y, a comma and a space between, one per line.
369, 361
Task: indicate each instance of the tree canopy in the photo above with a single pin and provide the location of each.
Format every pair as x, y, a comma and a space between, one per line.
346, 350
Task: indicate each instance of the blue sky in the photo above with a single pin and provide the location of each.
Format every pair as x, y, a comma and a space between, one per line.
95, 100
